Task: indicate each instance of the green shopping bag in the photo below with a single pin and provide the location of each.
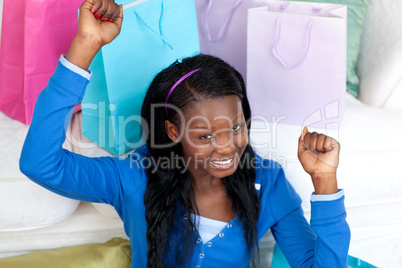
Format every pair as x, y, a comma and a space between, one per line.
154, 34
279, 261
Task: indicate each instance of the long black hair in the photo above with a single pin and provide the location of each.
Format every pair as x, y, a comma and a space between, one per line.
168, 187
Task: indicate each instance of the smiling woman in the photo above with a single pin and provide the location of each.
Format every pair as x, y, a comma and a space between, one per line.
210, 132
196, 192
216, 137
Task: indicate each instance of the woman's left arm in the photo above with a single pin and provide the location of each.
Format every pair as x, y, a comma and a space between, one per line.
325, 242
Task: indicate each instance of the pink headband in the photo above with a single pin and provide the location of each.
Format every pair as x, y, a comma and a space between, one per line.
177, 83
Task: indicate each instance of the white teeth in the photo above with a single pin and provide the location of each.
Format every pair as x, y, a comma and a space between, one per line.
223, 162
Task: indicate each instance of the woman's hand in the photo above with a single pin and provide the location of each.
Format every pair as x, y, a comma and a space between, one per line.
319, 156
100, 20
98, 24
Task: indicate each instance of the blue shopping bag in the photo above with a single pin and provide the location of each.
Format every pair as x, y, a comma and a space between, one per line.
154, 34
279, 261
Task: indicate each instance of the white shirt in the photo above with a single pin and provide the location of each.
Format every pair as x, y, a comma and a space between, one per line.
208, 228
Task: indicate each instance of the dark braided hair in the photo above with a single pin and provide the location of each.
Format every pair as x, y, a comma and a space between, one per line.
168, 187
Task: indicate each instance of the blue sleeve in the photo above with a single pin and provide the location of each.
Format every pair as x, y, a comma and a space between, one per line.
45, 162
75, 68
327, 197
323, 243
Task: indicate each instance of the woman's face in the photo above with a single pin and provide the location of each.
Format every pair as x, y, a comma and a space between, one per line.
214, 138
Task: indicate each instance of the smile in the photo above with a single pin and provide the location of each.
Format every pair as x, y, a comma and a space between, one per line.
223, 164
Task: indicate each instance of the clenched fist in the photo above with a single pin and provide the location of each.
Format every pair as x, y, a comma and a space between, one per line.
319, 156
99, 23
100, 20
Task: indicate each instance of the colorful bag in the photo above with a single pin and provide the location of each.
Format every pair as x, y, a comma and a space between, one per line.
279, 261
1, 15
296, 62
222, 28
154, 34
34, 35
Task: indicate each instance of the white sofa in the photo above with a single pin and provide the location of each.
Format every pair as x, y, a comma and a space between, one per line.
32, 218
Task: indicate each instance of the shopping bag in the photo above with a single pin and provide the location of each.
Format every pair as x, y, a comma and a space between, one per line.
354, 262
222, 29
34, 35
154, 34
1, 16
279, 261
296, 65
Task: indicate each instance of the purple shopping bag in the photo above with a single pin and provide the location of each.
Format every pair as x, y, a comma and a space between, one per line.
34, 35
296, 65
222, 29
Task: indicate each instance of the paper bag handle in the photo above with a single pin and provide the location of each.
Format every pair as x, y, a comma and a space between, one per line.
160, 34
225, 24
133, 3
304, 51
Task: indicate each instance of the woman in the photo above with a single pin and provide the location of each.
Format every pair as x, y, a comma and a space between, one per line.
196, 195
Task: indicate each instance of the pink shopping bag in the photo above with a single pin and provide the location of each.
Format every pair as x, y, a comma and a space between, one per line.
296, 65
34, 35
222, 29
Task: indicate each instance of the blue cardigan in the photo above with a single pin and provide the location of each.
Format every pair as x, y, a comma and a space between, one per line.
122, 183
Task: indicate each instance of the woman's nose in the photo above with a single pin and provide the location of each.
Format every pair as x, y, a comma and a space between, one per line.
224, 144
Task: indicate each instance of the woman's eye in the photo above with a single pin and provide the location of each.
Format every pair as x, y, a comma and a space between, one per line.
237, 127
205, 137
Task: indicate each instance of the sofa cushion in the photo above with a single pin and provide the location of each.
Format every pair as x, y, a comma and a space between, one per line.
380, 66
114, 253
24, 204
86, 225
356, 14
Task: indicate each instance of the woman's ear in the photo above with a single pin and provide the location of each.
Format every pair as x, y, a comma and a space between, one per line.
172, 131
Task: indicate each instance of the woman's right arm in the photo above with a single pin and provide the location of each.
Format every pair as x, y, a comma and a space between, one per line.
94, 33
43, 159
